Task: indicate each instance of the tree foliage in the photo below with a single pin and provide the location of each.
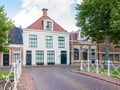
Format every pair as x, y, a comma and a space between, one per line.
6, 25
100, 21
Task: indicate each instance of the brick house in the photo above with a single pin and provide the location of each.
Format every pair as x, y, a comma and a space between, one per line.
114, 52
15, 51
84, 50
45, 42
80, 49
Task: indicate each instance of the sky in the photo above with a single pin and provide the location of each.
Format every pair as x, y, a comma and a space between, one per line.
25, 12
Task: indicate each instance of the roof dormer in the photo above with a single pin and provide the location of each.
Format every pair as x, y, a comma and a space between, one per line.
48, 24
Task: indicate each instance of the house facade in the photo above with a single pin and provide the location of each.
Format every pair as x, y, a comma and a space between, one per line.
114, 54
86, 50
80, 49
45, 42
15, 51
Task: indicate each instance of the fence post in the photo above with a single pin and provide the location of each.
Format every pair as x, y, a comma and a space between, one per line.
88, 65
108, 71
81, 65
15, 77
96, 66
20, 68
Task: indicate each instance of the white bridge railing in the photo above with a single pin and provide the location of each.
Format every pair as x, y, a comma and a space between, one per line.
107, 66
17, 70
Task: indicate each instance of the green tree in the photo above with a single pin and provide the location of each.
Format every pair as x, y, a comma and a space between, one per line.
100, 21
5, 26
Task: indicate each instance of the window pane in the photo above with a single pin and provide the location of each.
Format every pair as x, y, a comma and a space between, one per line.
33, 40
48, 25
16, 55
76, 54
85, 54
50, 56
116, 57
61, 42
39, 56
103, 57
93, 54
49, 41
111, 57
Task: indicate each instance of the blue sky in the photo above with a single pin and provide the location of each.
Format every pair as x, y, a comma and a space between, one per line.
11, 6
25, 12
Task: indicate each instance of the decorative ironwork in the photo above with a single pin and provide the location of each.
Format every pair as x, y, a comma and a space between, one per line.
17, 70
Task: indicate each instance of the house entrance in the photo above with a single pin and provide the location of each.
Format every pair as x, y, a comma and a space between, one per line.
63, 57
5, 59
28, 57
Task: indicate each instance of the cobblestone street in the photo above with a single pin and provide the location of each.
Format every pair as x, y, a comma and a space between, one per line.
60, 78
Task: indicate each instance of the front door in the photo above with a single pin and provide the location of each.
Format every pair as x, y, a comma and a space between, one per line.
28, 57
63, 57
5, 59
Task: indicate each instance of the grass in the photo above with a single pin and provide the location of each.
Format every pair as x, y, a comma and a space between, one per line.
113, 71
5, 73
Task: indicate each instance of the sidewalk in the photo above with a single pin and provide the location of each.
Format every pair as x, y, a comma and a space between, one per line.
26, 82
100, 76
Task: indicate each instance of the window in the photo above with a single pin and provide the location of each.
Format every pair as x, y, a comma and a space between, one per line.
116, 58
50, 56
85, 54
76, 54
33, 40
93, 54
61, 42
103, 57
39, 57
111, 57
49, 41
48, 25
16, 55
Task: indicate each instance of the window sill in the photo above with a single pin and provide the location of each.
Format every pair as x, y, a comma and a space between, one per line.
51, 63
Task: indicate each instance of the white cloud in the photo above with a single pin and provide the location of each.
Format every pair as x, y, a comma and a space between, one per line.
79, 1
60, 11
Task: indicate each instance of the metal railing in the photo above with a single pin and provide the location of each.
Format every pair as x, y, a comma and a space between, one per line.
106, 67
17, 70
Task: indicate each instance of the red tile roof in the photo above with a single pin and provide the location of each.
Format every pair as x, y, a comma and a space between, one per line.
39, 24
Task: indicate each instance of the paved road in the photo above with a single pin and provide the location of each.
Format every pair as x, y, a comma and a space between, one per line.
60, 78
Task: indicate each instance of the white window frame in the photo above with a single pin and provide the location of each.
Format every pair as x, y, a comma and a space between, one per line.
45, 24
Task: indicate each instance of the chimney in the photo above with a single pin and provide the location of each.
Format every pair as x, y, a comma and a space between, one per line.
44, 11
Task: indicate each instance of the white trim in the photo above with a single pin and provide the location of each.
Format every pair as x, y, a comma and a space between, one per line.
109, 52
83, 42
93, 47
15, 45
85, 47
44, 24
78, 47
2, 58
46, 31
10, 57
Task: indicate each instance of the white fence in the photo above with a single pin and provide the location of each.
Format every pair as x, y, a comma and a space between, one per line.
17, 70
109, 68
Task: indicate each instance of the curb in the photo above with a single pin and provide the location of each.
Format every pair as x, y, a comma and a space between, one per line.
94, 76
